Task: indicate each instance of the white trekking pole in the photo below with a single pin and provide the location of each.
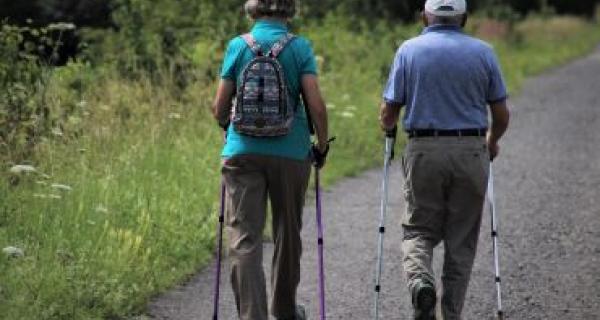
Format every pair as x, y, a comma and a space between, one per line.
390, 139
492, 206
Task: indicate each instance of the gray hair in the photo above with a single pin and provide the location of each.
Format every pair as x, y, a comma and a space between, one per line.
270, 8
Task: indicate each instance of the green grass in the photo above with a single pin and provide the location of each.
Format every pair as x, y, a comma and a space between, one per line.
144, 172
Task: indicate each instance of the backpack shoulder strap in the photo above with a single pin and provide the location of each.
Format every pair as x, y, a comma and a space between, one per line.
280, 45
251, 42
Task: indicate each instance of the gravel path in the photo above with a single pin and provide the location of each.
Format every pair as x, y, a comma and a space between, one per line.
547, 190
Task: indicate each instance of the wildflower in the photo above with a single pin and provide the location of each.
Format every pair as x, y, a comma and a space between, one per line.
61, 187
13, 252
20, 168
57, 132
330, 106
101, 209
47, 196
82, 104
174, 115
61, 26
347, 114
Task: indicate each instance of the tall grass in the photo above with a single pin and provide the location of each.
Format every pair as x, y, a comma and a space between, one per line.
125, 206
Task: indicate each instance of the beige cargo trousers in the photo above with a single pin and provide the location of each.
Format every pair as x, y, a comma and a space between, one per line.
251, 180
445, 186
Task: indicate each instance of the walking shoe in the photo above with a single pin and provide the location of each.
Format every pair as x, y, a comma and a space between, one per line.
300, 314
424, 300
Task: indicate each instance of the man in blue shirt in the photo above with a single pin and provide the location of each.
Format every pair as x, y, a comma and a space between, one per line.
276, 168
447, 81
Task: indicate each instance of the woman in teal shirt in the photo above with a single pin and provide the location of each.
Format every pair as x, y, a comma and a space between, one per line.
276, 168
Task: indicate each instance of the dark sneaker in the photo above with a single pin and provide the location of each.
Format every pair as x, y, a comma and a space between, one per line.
300, 314
424, 300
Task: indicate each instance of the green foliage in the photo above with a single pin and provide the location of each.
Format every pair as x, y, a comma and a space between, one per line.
158, 36
23, 115
27, 114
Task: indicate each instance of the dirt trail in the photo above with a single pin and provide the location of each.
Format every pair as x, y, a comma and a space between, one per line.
548, 199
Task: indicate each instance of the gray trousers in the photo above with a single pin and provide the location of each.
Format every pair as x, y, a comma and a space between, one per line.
445, 185
250, 180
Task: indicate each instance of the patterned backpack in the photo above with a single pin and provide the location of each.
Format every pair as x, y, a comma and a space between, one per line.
263, 107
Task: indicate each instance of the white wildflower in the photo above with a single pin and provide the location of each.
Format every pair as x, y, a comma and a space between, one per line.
57, 132
82, 104
47, 196
331, 106
13, 252
347, 114
61, 26
20, 168
174, 115
62, 187
101, 209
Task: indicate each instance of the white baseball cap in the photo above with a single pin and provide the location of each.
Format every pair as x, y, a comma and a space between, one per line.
446, 8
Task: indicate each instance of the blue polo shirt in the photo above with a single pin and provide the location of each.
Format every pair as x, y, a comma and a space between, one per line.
446, 79
297, 60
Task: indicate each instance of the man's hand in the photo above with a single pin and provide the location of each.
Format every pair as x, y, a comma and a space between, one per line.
494, 149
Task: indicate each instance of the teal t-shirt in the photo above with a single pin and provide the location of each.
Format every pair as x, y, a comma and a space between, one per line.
297, 60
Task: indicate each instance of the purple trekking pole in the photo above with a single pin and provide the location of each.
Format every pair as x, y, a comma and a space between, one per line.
320, 247
219, 249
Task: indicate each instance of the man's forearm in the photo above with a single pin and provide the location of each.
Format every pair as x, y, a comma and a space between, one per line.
389, 115
500, 121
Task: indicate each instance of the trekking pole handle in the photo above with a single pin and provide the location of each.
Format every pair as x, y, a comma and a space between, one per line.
391, 134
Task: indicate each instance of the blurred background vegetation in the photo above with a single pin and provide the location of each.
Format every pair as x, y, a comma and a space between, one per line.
109, 158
